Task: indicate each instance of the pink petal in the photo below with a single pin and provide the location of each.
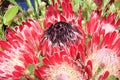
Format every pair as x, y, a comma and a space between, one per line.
17, 74
19, 68
106, 74
46, 61
62, 18
73, 52
5, 45
82, 54
88, 68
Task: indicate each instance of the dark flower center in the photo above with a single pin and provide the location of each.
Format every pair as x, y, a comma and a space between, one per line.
61, 33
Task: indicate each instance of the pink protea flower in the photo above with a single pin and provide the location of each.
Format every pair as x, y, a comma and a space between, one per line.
105, 52
109, 24
62, 28
15, 56
31, 32
103, 48
60, 66
102, 25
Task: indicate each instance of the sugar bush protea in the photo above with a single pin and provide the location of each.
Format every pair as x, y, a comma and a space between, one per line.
31, 32
15, 57
103, 45
60, 66
63, 28
65, 47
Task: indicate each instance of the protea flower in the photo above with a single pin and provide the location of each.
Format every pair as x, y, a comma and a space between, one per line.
31, 32
60, 66
62, 28
15, 57
104, 25
103, 48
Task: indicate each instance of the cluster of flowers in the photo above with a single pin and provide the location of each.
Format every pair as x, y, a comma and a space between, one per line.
69, 50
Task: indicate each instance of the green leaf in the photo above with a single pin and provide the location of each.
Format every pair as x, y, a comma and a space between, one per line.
22, 79
31, 68
76, 5
1, 31
16, 4
9, 15
40, 58
104, 7
111, 77
117, 4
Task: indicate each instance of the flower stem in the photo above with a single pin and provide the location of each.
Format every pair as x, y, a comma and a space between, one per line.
30, 7
36, 7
